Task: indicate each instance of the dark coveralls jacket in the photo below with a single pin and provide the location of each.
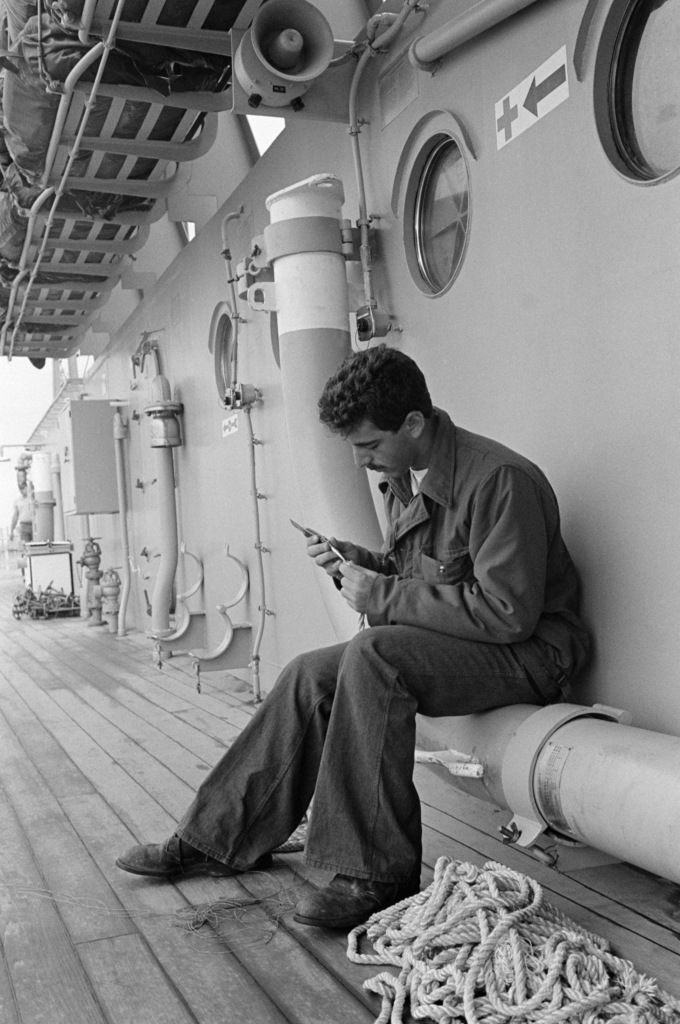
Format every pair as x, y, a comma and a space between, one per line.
478, 553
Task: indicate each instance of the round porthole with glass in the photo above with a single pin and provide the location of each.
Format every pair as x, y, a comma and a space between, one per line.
436, 214
221, 344
638, 74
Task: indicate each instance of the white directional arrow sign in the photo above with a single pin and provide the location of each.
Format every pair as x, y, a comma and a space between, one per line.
539, 93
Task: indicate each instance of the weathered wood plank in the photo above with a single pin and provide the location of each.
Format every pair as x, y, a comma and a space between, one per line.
69, 873
651, 897
47, 977
62, 775
103, 693
212, 982
166, 788
295, 980
9, 1011
140, 811
130, 983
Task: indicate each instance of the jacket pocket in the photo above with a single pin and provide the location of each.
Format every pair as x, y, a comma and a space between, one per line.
453, 569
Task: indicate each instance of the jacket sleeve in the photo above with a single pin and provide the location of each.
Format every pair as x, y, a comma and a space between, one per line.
502, 598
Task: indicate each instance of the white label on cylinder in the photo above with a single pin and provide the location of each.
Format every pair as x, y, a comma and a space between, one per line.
549, 768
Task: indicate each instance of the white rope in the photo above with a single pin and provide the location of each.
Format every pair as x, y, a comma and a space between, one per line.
482, 945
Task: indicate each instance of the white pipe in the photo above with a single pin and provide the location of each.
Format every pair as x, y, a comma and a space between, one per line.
582, 772
483, 15
41, 476
168, 540
120, 436
304, 245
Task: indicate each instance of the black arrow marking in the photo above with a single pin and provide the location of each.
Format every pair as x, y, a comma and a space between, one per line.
538, 92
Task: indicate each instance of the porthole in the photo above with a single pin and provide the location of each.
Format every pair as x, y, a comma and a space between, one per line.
221, 344
437, 212
639, 74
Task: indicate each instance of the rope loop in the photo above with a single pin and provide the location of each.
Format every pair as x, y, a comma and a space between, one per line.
482, 945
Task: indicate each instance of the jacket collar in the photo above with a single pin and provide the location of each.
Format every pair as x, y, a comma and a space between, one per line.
440, 476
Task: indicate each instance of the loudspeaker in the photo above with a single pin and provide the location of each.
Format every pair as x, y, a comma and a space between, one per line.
287, 47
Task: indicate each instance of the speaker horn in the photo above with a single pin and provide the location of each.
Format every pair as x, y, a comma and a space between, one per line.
287, 47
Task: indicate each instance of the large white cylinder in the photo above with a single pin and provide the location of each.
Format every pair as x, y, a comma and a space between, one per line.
581, 772
41, 474
616, 788
311, 300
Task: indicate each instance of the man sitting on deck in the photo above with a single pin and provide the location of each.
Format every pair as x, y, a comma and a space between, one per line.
473, 604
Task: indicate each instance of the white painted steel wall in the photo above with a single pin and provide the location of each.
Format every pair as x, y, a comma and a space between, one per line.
559, 338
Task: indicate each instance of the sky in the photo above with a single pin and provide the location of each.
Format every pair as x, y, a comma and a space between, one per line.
25, 395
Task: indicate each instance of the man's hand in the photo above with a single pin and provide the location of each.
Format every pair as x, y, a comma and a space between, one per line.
326, 559
357, 584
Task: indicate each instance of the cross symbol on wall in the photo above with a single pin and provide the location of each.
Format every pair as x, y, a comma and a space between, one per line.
504, 122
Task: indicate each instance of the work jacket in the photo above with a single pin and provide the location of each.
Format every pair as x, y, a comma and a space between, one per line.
477, 553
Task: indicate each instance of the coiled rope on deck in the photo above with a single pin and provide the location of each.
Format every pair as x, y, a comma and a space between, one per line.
484, 946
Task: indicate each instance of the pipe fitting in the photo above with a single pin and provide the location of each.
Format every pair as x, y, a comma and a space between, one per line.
165, 428
110, 590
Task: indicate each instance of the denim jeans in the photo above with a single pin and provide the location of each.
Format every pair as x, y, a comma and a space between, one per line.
339, 725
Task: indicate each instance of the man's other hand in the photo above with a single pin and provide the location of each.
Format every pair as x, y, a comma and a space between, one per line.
357, 584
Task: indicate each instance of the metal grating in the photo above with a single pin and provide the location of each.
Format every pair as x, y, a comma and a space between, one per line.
115, 154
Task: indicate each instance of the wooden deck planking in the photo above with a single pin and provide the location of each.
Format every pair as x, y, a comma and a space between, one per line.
98, 749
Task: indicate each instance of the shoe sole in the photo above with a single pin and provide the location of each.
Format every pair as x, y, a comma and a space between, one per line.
198, 869
207, 870
351, 922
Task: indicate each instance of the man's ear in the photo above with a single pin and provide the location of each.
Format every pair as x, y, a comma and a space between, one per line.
415, 423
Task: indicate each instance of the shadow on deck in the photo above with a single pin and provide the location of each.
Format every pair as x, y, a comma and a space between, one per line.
98, 750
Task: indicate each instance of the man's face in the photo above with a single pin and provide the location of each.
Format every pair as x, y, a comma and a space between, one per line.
384, 451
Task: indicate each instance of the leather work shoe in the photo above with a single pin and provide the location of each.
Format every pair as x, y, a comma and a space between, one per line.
347, 902
175, 857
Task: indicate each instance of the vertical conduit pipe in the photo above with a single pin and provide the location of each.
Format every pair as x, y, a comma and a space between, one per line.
120, 434
255, 662
84, 582
304, 246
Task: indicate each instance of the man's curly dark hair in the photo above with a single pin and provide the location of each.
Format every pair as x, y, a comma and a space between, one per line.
379, 384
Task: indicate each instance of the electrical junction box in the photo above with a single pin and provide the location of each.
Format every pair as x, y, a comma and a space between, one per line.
88, 474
